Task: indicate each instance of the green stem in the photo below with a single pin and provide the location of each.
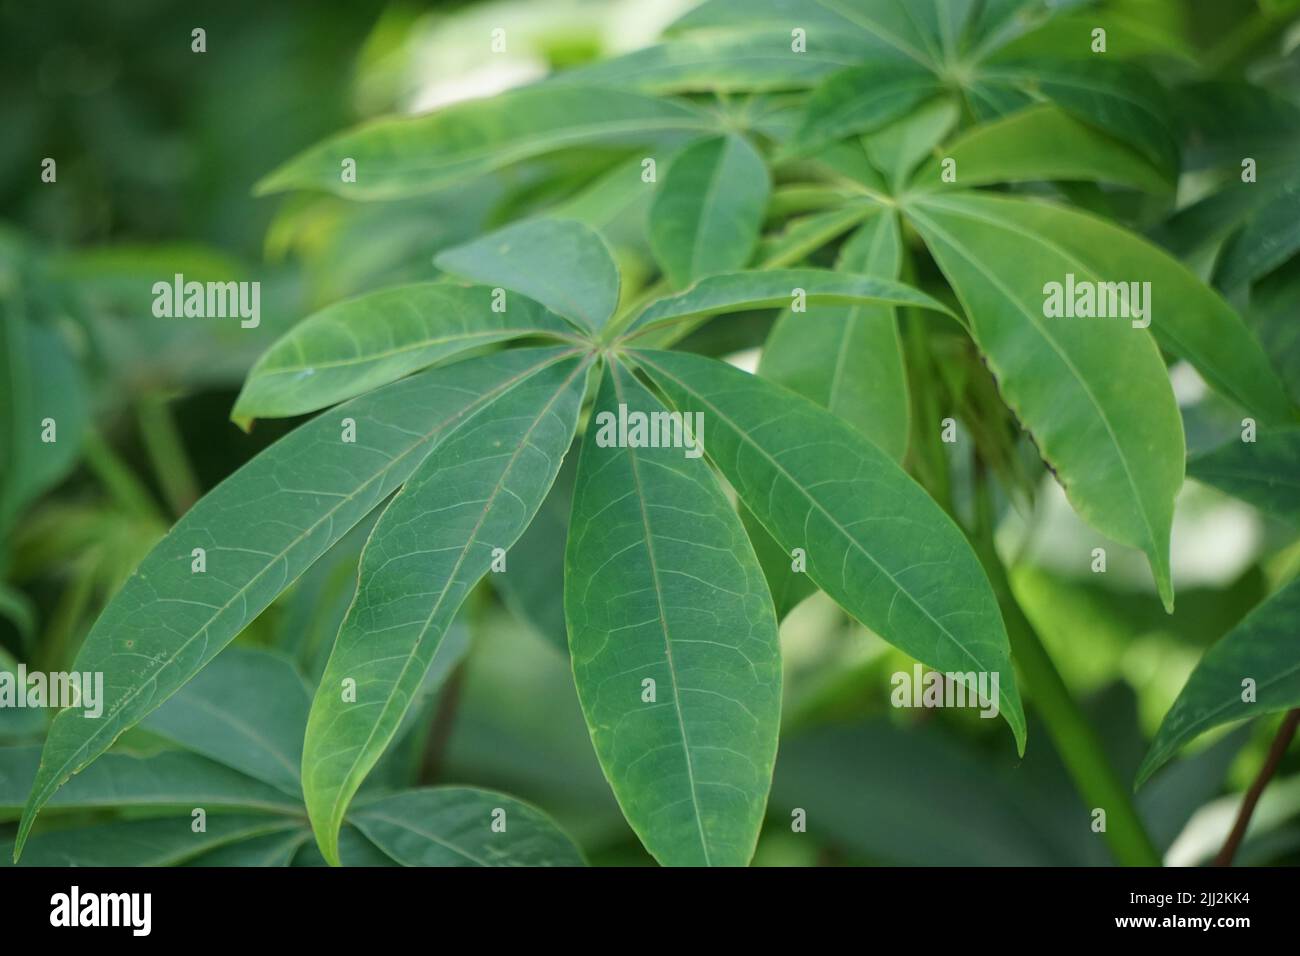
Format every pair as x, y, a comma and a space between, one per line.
1075, 740
171, 466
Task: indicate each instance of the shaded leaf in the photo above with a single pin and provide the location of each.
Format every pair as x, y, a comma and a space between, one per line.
1265, 472
661, 585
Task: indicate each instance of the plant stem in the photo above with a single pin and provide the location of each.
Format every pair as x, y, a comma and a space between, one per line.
171, 466
1075, 741
1285, 734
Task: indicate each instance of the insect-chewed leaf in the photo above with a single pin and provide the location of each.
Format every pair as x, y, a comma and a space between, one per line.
1264, 472
785, 288
466, 504
1042, 143
1254, 670
247, 710
672, 634
873, 539
1093, 392
249, 539
354, 346
464, 826
707, 214
562, 263
406, 156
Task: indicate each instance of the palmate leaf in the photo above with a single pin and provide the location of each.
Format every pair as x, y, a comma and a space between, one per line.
270, 849
1042, 143
772, 288
247, 710
260, 529
1262, 648
874, 540
408, 156
1264, 472
561, 263
475, 492
707, 213
464, 826
352, 347
861, 100
673, 641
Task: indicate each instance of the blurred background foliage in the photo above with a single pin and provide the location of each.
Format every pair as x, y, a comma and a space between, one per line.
157, 151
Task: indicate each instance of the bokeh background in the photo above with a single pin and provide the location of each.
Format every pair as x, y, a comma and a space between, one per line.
158, 149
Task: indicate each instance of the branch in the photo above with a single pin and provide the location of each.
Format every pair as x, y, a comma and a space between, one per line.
1283, 740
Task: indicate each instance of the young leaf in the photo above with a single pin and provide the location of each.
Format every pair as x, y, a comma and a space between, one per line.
463, 826
1093, 392
873, 539
408, 156
673, 640
354, 346
561, 263
896, 148
778, 288
707, 213
247, 709
1042, 143
1264, 472
259, 529
1254, 670
475, 493
848, 358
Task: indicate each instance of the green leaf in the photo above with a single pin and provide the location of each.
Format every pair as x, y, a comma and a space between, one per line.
1122, 99
162, 842
1262, 648
707, 213
1042, 143
407, 156
165, 779
1093, 393
848, 358
476, 492
1269, 239
271, 849
861, 100
247, 709
261, 528
807, 234
661, 585
463, 826
354, 346
1264, 472
39, 381
875, 541
1189, 319
896, 148
561, 263
777, 288
749, 62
